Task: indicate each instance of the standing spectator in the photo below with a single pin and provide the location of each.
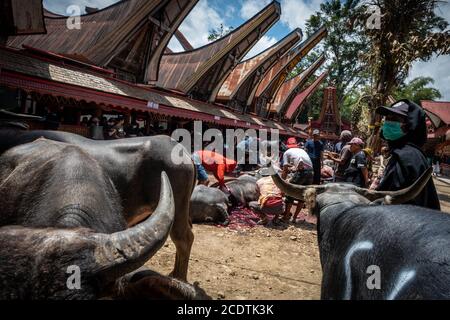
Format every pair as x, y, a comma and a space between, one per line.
96, 131
132, 130
357, 172
314, 148
297, 162
84, 122
345, 155
405, 130
52, 119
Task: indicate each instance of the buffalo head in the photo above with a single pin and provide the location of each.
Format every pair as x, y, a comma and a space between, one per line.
319, 198
35, 261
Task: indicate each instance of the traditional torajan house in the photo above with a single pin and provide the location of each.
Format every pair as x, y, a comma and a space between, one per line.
296, 106
240, 86
290, 89
329, 122
272, 82
438, 124
200, 73
67, 72
128, 37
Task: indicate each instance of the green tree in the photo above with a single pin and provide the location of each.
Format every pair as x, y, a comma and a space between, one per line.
417, 89
217, 33
343, 45
409, 30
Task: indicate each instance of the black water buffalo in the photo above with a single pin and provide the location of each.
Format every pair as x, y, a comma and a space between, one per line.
372, 247
209, 205
134, 166
243, 190
60, 210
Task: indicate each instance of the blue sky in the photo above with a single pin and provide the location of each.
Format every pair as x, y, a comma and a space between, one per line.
210, 14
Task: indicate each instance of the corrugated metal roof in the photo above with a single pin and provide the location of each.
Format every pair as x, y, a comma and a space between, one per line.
201, 72
292, 87
440, 109
302, 96
270, 85
112, 33
247, 75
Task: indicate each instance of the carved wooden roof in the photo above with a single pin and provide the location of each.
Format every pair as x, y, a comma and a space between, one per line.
201, 72
274, 79
296, 104
130, 35
292, 87
20, 17
240, 87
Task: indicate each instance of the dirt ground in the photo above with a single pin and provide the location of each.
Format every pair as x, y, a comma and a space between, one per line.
259, 263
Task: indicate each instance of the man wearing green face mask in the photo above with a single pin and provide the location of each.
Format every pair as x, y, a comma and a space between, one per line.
404, 129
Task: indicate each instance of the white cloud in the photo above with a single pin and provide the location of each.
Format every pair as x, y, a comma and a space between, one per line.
251, 7
263, 43
230, 11
198, 23
294, 13
437, 68
175, 45
443, 10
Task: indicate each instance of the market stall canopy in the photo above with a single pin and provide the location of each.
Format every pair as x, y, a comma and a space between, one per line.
22, 70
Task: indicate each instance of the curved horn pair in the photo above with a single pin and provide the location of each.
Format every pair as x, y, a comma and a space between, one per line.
389, 197
400, 196
292, 190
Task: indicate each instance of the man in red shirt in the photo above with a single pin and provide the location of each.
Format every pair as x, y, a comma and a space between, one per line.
217, 164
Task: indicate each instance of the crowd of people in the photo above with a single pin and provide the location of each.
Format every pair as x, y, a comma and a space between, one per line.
400, 163
313, 161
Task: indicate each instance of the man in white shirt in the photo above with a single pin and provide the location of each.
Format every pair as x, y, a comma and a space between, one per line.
297, 162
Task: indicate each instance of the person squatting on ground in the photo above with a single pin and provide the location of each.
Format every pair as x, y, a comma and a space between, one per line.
270, 201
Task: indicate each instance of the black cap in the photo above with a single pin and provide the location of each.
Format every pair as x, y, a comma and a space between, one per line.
399, 108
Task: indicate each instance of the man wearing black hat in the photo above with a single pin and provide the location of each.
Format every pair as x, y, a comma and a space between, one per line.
404, 129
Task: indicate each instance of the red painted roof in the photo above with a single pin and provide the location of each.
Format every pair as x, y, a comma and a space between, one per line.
302, 96
440, 109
